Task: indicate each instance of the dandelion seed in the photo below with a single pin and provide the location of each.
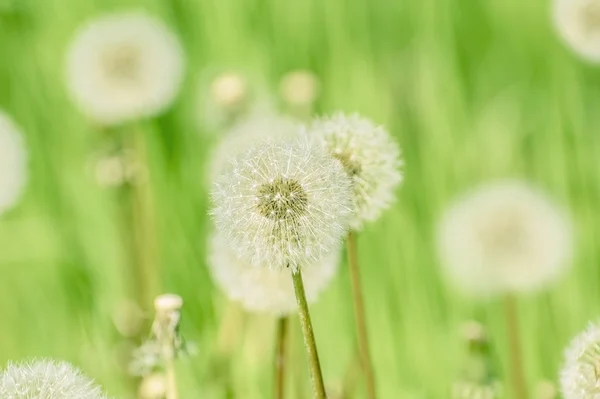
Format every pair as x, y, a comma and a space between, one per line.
370, 157
263, 289
504, 237
123, 67
13, 163
46, 379
258, 126
580, 374
578, 22
283, 204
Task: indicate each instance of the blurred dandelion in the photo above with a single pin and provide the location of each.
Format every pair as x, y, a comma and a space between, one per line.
299, 90
578, 22
370, 157
47, 379
282, 204
153, 386
504, 237
258, 126
372, 160
285, 205
264, 289
13, 163
123, 67
579, 374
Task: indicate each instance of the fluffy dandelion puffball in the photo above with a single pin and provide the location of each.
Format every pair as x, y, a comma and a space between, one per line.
370, 158
13, 163
578, 22
579, 375
504, 237
283, 204
47, 379
123, 67
264, 289
256, 127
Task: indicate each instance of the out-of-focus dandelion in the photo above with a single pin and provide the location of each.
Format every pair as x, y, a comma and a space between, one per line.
282, 205
228, 89
153, 386
124, 67
372, 160
264, 289
45, 379
370, 157
13, 163
256, 127
579, 374
118, 169
505, 238
578, 22
299, 90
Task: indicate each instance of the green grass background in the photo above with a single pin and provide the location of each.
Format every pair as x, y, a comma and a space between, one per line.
473, 91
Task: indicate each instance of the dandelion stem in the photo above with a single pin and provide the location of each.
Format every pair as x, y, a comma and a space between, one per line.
170, 376
281, 356
516, 362
359, 316
309, 337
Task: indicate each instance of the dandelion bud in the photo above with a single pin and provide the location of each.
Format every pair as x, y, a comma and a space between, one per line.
283, 204
46, 379
370, 158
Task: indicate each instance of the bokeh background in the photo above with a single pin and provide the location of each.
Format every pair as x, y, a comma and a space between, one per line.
473, 91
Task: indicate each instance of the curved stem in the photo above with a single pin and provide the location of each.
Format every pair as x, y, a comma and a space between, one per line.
280, 356
516, 361
359, 316
309, 337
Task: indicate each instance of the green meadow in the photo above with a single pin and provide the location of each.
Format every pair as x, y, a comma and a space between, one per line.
472, 91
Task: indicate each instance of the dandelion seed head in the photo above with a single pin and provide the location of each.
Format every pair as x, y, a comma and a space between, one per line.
258, 126
153, 386
46, 379
578, 22
13, 163
580, 374
299, 87
123, 67
264, 289
370, 157
504, 237
283, 204
228, 89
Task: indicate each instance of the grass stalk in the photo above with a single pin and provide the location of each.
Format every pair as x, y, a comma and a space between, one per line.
309, 337
359, 316
516, 358
281, 356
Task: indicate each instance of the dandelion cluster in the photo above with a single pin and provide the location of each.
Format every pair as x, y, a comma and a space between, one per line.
370, 158
578, 22
46, 379
283, 204
13, 163
579, 378
264, 289
123, 67
504, 237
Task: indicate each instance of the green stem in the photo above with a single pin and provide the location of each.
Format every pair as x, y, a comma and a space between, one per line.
309, 337
516, 361
280, 356
170, 376
359, 316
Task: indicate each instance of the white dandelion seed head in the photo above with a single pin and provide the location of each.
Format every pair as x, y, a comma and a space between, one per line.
283, 204
580, 374
258, 126
228, 89
299, 87
578, 22
264, 289
504, 237
123, 67
370, 157
47, 379
13, 163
